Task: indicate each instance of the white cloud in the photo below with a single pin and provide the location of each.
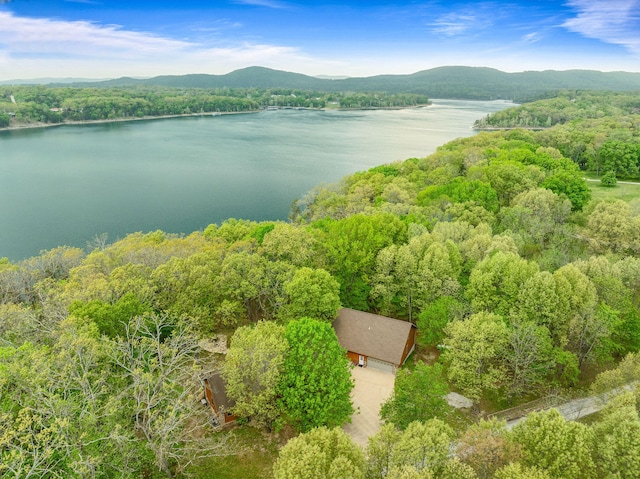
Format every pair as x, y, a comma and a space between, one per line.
21, 35
533, 37
88, 2
32, 47
612, 21
454, 23
262, 3
472, 19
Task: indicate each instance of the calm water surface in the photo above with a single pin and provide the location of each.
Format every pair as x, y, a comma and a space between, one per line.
65, 185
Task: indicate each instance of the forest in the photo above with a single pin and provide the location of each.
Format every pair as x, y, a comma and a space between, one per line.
522, 277
25, 105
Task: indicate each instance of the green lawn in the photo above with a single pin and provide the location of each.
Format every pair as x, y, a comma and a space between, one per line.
257, 453
621, 191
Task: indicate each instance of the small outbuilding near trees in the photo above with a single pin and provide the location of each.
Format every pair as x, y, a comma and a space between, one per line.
374, 341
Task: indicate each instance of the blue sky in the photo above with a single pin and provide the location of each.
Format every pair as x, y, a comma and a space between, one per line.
114, 38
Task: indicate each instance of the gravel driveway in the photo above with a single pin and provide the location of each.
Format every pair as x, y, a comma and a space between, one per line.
372, 388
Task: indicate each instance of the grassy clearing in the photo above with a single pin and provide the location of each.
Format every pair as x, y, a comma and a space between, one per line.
257, 453
622, 191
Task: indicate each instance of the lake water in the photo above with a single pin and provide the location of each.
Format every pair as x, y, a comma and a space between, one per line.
67, 184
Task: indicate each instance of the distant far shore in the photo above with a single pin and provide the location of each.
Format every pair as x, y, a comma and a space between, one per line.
26, 126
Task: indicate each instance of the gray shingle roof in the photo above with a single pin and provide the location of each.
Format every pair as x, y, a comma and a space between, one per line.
372, 335
219, 392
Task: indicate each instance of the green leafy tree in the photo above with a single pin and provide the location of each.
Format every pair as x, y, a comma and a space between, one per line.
18, 324
612, 227
495, 283
424, 446
537, 300
418, 395
618, 439
510, 178
518, 471
577, 299
474, 349
486, 447
186, 286
59, 411
435, 317
379, 451
609, 179
352, 245
312, 293
570, 184
320, 453
620, 157
409, 472
561, 448
252, 371
111, 319
410, 276
455, 469
316, 381
626, 372
536, 215
293, 244
529, 357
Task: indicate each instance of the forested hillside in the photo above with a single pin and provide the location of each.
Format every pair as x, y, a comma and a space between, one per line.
522, 281
563, 108
454, 82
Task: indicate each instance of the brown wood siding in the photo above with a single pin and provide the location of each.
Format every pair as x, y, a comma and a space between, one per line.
353, 357
411, 341
209, 396
229, 418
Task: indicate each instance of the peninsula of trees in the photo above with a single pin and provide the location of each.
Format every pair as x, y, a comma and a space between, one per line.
42, 105
522, 277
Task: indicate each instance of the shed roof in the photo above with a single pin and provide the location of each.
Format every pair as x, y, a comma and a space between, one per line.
372, 335
219, 392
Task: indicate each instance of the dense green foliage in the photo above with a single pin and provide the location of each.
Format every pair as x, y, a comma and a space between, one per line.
320, 454
491, 244
316, 381
565, 107
418, 395
47, 104
252, 371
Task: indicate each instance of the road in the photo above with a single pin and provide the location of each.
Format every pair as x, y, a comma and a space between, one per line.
577, 408
592, 180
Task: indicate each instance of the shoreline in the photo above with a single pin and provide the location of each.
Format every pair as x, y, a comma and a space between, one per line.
508, 128
30, 126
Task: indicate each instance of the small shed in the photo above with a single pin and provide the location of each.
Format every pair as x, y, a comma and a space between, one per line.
375, 341
215, 395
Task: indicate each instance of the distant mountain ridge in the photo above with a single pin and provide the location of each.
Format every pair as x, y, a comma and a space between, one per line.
454, 82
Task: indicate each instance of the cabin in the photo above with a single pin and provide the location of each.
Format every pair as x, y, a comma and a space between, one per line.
215, 396
375, 341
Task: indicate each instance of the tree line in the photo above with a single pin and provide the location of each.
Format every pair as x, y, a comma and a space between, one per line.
46, 104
